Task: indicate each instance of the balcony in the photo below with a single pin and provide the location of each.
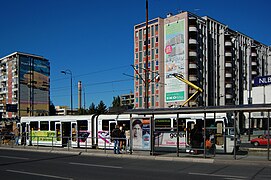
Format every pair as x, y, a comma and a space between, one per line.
254, 72
228, 65
228, 54
193, 53
192, 41
192, 66
254, 54
192, 78
253, 63
228, 85
228, 96
228, 43
228, 75
193, 29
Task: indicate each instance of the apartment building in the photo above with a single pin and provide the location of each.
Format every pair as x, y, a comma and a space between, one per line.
221, 61
24, 85
127, 100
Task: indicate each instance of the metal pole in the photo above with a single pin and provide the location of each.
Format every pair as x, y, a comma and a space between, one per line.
204, 137
234, 124
71, 95
147, 59
152, 135
178, 135
268, 135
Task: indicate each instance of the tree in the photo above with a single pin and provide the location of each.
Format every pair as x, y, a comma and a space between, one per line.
92, 109
52, 109
116, 102
82, 111
101, 108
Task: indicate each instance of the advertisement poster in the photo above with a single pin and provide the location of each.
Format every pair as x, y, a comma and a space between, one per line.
174, 60
169, 139
141, 133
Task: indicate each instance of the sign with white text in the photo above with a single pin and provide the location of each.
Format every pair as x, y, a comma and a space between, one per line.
262, 80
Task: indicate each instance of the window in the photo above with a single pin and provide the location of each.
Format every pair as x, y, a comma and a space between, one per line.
44, 125
181, 124
140, 56
34, 125
140, 45
105, 125
52, 125
82, 125
152, 30
140, 34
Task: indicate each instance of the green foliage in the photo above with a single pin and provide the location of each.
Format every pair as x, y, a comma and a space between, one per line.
52, 109
116, 102
92, 109
101, 108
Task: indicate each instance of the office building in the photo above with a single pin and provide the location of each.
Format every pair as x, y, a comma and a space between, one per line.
221, 61
24, 85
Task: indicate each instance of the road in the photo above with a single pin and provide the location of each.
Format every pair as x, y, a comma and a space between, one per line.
37, 165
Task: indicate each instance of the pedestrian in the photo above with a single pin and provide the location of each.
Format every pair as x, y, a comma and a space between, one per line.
16, 136
115, 135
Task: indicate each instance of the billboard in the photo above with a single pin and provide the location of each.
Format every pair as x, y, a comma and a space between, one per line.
34, 85
174, 53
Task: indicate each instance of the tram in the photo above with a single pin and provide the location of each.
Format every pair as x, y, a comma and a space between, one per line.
93, 131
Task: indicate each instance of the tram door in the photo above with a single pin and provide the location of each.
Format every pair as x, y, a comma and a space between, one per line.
58, 130
66, 133
112, 125
190, 123
74, 134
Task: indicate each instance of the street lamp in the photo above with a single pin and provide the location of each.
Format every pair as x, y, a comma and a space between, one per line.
67, 71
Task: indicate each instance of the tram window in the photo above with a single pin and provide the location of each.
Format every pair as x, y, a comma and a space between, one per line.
127, 124
44, 125
164, 124
181, 124
34, 125
105, 124
52, 125
210, 123
219, 126
82, 125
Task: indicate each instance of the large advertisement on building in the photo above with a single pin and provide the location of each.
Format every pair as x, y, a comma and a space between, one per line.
174, 34
34, 86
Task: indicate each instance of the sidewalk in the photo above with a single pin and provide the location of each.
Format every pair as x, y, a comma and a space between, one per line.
241, 157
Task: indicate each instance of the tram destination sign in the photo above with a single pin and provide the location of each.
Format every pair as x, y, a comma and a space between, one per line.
262, 80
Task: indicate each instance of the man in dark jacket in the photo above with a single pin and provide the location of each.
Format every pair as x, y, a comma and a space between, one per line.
116, 138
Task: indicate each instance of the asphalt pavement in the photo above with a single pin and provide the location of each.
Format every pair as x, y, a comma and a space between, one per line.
246, 155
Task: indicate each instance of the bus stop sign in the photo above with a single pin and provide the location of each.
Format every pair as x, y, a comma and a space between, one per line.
262, 80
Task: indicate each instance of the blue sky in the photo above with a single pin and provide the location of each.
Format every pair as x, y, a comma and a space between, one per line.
94, 39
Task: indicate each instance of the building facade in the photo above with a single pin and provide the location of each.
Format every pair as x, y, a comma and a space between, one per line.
127, 100
219, 60
24, 85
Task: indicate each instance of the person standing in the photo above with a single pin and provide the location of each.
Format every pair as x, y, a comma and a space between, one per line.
116, 138
16, 136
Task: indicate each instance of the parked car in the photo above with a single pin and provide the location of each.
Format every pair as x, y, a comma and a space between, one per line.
261, 140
